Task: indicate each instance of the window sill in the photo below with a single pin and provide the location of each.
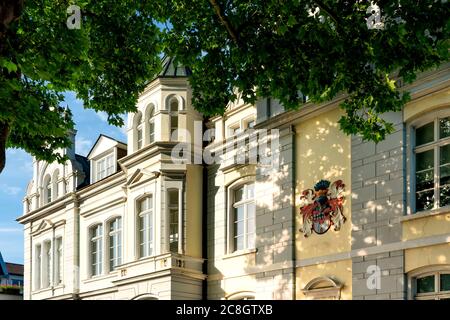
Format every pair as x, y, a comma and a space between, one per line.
425, 214
239, 253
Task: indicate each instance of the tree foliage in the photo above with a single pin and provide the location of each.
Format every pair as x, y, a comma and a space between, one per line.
279, 49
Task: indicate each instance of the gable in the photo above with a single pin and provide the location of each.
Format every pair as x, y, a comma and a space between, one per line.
102, 145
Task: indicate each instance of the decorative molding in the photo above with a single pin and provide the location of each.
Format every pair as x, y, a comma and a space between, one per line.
110, 204
331, 290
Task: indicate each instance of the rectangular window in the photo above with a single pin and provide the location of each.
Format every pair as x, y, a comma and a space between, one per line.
58, 261
105, 167
47, 271
432, 165
37, 267
96, 250
244, 218
173, 219
115, 243
146, 227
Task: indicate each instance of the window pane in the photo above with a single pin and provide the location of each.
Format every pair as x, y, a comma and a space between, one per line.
425, 134
425, 180
174, 105
239, 227
239, 243
424, 200
424, 160
445, 282
173, 197
239, 194
239, 213
444, 130
425, 284
445, 155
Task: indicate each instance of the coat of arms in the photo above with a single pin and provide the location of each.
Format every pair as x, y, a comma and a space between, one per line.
322, 207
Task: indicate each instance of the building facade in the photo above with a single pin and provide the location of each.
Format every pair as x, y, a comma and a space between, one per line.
260, 203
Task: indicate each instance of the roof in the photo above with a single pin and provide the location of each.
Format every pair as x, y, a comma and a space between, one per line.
169, 69
86, 169
14, 268
121, 144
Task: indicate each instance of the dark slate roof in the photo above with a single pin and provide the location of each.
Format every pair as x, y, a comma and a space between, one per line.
86, 169
14, 268
171, 70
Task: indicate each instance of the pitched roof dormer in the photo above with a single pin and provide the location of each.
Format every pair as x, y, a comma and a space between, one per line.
103, 157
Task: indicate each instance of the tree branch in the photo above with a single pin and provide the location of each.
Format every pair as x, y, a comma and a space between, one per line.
224, 20
328, 11
4, 133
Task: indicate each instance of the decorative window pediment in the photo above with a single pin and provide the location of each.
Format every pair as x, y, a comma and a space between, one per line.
323, 288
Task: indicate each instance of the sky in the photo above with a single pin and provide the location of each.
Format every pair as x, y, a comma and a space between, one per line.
19, 171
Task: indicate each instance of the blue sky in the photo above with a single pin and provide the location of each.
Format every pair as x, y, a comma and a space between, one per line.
19, 171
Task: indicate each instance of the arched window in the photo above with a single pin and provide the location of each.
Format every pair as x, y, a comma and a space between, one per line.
115, 243
96, 237
145, 224
55, 179
243, 295
243, 216
173, 114
151, 124
47, 189
430, 283
139, 134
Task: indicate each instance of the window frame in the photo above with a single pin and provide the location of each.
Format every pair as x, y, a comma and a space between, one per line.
436, 271
58, 261
152, 220
108, 169
231, 232
435, 145
100, 253
176, 207
119, 233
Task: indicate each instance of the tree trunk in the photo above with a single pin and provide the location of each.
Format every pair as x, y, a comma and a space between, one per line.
10, 11
4, 132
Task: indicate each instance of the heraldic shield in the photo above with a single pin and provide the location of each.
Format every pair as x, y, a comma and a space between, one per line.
322, 207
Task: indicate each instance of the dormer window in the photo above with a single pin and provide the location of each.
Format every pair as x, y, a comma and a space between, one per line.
105, 166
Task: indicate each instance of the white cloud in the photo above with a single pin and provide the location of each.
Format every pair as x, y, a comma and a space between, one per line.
82, 145
10, 190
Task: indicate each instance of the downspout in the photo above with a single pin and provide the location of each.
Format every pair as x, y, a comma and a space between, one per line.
294, 247
76, 248
204, 233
